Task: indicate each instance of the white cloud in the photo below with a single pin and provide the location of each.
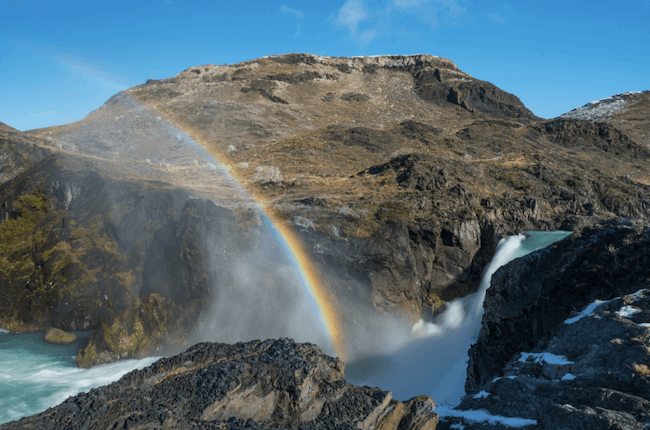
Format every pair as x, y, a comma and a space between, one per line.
365, 20
297, 13
351, 14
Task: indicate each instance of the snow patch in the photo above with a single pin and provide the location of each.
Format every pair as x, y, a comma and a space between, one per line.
568, 377
638, 295
601, 110
589, 310
627, 311
482, 395
484, 416
545, 357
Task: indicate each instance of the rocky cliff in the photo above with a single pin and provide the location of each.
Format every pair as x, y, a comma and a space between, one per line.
399, 173
272, 384
566, 329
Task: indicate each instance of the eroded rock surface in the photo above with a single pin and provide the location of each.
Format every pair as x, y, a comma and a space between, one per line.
272, 384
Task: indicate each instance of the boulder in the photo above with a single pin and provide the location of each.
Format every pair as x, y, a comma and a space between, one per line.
59, 337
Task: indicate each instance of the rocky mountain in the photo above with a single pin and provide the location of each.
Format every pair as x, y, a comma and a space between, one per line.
273, 384
399, 174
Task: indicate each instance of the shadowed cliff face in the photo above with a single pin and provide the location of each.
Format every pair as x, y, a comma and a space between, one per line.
399, 173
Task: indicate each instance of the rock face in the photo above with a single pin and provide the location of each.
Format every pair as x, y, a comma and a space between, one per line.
566, 328
268, 384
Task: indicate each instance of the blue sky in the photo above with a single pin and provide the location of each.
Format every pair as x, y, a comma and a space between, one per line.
61, 60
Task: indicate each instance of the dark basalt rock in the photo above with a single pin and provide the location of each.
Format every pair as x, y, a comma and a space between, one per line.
272, 384
442, 86
531, 309
576, 132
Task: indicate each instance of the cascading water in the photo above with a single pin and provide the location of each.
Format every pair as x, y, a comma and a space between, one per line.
36, 375
433, 360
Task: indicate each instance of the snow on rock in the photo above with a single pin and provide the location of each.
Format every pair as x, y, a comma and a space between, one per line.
627, 311
544, 357
568, 377
588, 311
483, 416
481, 395
638, 295
601, 110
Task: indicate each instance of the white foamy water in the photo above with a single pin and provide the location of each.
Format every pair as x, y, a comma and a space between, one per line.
35, 376
434, 360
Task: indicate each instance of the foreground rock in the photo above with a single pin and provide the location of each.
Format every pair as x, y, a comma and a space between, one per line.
567, 328
255, 385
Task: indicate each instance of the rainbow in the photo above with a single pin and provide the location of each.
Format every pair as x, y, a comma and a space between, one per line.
320, 298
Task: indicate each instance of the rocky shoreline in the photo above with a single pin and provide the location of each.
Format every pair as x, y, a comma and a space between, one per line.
268, 384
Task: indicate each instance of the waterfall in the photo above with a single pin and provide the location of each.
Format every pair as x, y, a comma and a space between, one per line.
433, 360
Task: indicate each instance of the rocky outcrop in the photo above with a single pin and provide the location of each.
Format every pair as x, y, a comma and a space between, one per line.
452, 86
18, 152
268, 384
566, 328
135, 333
59, 337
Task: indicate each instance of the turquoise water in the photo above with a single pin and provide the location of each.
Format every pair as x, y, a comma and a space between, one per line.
35, 375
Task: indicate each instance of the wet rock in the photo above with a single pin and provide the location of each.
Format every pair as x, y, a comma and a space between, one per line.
275, 384
59, 337
134, 333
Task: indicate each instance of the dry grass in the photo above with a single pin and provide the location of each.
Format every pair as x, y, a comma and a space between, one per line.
641, 369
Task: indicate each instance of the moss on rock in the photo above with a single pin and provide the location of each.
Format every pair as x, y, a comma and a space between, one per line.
134, 333
59, 337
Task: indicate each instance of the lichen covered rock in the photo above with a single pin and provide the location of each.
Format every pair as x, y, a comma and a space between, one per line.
59, 337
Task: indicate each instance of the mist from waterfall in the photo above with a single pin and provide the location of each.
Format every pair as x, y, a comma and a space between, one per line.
433, 359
